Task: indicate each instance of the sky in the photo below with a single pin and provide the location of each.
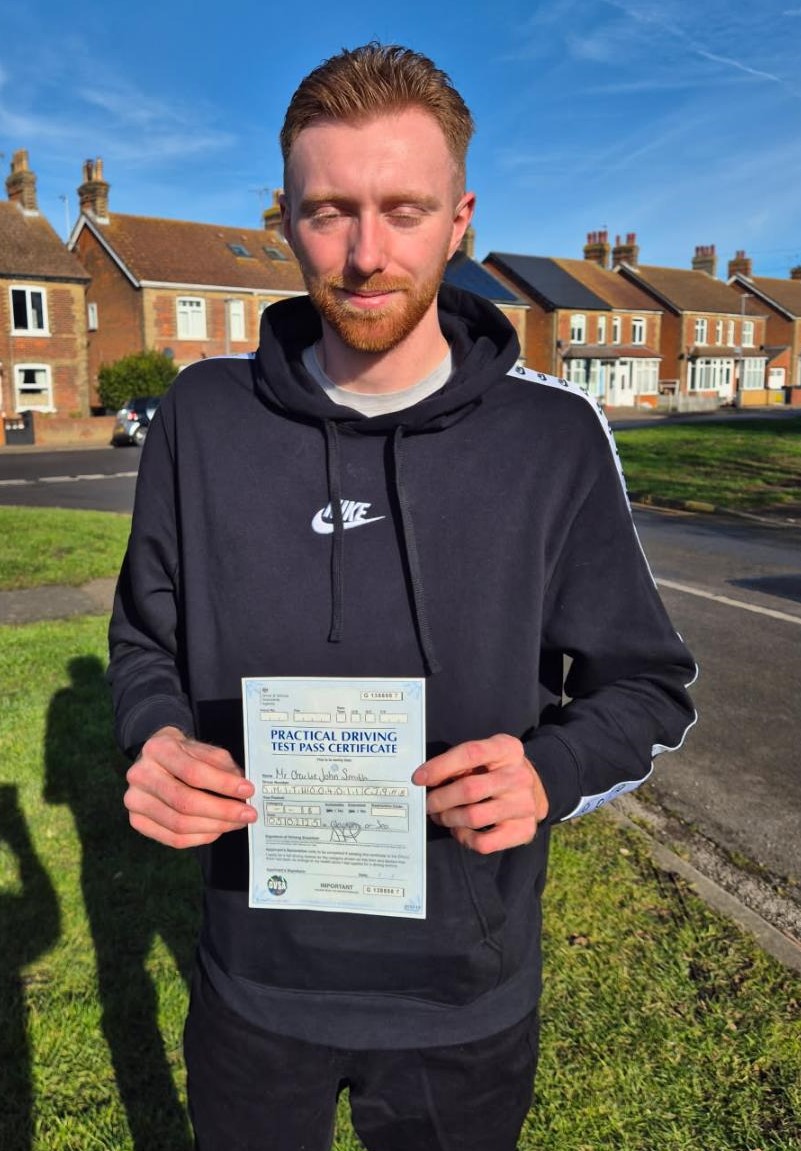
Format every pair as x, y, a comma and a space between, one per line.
679, 120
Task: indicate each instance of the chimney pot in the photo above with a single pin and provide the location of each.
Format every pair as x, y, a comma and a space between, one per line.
21, 183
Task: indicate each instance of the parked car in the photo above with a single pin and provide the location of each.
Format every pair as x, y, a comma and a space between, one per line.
133, 421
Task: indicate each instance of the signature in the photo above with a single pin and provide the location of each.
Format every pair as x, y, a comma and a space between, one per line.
345, 832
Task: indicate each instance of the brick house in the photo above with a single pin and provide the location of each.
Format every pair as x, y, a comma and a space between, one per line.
713, 338
191, 290
781, 299
586, 323
464, 271
43, 355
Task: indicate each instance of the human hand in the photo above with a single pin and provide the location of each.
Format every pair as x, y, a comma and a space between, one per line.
184, 793
485, 784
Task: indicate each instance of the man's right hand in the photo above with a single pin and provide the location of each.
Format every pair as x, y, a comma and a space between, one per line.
184, 793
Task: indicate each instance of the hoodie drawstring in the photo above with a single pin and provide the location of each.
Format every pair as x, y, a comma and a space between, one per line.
333, 465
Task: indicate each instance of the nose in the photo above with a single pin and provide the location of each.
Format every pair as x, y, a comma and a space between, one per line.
367, 253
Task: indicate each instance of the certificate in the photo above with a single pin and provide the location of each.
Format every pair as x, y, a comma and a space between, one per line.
341, 826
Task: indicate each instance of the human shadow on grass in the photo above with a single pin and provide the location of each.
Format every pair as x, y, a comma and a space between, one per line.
134, 890
29, 926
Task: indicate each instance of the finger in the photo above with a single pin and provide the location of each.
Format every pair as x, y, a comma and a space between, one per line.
467, 757
151, 789
198, 765
511, 833
154, 830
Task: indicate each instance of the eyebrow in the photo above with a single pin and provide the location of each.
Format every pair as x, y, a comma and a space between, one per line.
319, 199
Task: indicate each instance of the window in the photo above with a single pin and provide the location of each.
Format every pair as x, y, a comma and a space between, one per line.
718, 332
578, 328
712, 375
91, 317
240, 250
29, 311
191, 318
700, 331
236, 319
730, 333
275, 253
602, 329
645, 376
748, 333
33, 390
753, 374
637, 330
577, 372
616, 329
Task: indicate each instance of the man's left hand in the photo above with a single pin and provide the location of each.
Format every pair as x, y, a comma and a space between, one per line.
486, 792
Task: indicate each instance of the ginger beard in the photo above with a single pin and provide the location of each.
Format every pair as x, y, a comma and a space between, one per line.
373, 329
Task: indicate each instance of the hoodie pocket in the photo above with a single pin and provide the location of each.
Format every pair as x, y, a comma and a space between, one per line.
453, 956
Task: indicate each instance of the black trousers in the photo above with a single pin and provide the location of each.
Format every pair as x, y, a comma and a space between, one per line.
251, 1090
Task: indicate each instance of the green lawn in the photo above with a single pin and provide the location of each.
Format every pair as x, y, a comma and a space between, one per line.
664, 1028
59, 546
745, 464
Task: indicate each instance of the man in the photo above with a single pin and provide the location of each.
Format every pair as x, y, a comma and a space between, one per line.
493, 541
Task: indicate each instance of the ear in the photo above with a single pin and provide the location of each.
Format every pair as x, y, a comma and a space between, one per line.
465, 208
286, 219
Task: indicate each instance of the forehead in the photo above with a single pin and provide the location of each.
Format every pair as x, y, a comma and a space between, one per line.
336, 153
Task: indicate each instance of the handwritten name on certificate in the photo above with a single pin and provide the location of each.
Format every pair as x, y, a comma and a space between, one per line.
341, 826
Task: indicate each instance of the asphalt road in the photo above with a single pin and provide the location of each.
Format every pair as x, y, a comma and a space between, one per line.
733, 589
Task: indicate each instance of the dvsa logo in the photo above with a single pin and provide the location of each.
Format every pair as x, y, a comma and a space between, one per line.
276, 885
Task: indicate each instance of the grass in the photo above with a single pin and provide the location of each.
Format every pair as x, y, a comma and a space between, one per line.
663, 1026
744, 464
40, 546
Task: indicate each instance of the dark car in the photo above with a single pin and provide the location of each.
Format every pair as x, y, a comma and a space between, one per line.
133, 421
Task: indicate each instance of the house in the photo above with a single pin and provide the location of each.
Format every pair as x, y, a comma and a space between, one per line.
187, 289
586, 323
464, 271
781, 299
43, 362
713, 338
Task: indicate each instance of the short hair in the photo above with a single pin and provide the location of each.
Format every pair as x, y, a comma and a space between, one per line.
360, 83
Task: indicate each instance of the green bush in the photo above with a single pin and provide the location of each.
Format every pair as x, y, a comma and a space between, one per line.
142, 374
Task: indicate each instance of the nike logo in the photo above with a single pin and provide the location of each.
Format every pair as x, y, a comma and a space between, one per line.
354, 514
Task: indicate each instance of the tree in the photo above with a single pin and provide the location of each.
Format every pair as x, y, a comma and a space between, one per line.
142, 374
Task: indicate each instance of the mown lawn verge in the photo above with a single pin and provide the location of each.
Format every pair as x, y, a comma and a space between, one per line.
40, 546
663, 1026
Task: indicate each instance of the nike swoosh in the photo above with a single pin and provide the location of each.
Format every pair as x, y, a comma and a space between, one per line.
326, 527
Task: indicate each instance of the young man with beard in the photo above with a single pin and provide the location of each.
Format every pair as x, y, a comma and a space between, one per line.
494, 539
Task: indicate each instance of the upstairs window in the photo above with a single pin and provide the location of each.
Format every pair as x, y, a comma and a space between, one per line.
240, 250
748, 333
275, 253
638, 330
602, 329
190, 318
616, 329
700, 331
29, 311
91, 317
236, 319
578, 328
718, 332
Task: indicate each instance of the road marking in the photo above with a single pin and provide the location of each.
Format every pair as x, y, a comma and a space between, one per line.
731, 602
69, 479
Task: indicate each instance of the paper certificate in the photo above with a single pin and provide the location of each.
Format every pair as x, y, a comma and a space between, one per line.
341, 826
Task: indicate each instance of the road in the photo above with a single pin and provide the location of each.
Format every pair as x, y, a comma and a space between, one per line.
733, 589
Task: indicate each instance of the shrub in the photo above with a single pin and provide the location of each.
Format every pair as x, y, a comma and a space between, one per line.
142, 374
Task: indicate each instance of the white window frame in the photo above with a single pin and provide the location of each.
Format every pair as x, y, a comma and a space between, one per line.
601, 329
701, 331
637, 330
719, 333
91, 317
712, 374
730, 333
20, 404
577, 372
236, 320
748, 333
578, 328
645, 377
615, 329
753, 374
190, 318
29, 329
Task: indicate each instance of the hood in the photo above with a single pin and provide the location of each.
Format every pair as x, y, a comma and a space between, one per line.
483, 343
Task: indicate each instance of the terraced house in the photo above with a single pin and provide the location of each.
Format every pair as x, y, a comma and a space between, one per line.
781, 300
586, 323
188, 289
43, 365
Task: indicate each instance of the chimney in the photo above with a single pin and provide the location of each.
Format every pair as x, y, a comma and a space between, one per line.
740, 265
628, 253
468, 244
597, 249
795, 273
705, 259
21, 184
271, 217
93, 192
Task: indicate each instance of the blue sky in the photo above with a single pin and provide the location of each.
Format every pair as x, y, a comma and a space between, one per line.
679, 120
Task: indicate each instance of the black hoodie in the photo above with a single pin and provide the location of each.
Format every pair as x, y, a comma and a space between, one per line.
481, 538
